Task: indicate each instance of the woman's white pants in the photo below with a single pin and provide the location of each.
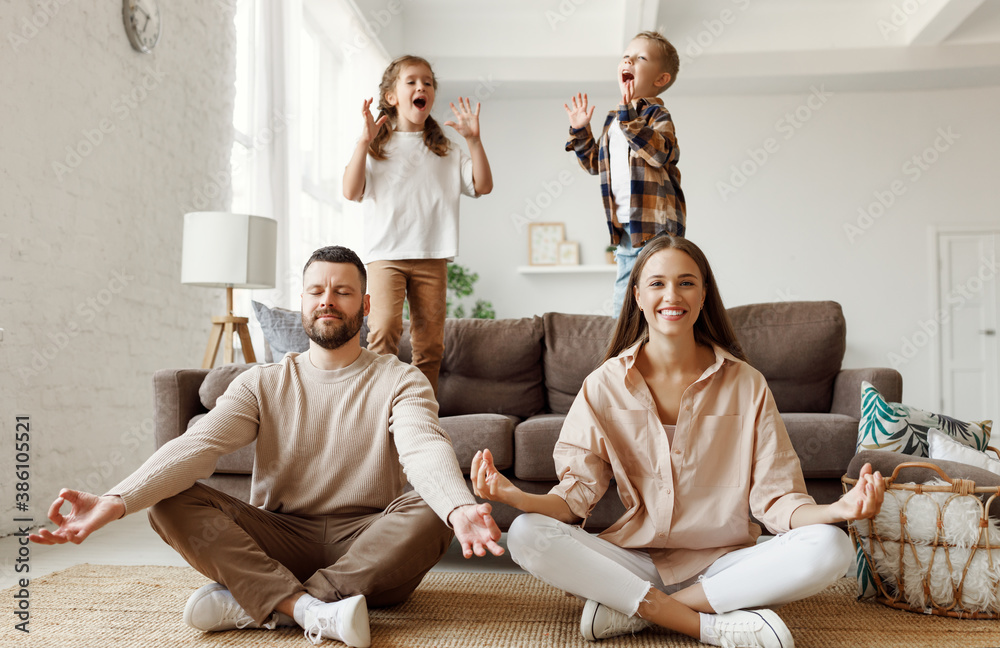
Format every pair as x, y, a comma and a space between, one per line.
789, 567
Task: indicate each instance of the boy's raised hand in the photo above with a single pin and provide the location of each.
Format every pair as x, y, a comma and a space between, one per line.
466, 122
628, 92
371, 126
579, 115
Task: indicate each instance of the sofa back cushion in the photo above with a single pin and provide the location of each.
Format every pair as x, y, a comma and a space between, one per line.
490, 366
798, 346
574, 346
217, 382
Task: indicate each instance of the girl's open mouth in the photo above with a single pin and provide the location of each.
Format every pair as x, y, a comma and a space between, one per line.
420, 102
627, 76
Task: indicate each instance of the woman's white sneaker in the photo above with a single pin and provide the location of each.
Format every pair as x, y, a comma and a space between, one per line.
748, 629
601, 622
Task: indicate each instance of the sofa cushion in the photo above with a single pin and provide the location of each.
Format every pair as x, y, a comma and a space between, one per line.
798, 346
282, 330
217, 382
574, 347
491, 366
823, 442
901, 428
534, 441
473, 432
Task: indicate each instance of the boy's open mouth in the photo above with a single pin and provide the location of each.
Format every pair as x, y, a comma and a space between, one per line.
420, 102
627, 76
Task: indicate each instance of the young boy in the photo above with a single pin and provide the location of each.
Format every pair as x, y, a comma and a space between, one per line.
637, 154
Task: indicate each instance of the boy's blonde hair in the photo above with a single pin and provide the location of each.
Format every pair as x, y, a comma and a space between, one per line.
670, 62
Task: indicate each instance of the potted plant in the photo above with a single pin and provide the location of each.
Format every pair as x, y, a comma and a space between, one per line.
609, 253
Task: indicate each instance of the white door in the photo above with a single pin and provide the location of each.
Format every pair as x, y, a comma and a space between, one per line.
969, 294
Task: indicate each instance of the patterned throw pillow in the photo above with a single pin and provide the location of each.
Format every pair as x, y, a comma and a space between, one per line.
901, 428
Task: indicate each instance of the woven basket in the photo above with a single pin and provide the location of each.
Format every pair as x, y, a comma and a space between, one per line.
902, 567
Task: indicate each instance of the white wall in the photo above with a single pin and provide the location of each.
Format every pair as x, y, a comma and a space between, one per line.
90, 251
782, 234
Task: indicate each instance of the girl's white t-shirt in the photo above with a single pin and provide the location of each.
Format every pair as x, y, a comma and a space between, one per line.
410, 203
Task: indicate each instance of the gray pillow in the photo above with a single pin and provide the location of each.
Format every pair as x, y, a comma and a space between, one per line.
217, 382
282, 330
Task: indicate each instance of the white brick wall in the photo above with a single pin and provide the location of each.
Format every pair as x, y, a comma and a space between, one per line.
101, 148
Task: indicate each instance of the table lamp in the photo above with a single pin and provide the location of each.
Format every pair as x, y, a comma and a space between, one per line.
223, 250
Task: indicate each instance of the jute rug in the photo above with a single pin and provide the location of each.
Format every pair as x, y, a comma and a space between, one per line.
93, 606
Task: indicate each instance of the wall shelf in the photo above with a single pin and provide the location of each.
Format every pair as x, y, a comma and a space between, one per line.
568, 269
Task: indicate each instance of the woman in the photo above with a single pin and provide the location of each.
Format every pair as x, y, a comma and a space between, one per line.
690, 432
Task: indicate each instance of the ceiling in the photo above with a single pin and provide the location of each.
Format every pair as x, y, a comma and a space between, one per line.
553, 48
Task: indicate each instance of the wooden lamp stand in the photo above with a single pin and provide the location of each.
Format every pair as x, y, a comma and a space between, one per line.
225, 327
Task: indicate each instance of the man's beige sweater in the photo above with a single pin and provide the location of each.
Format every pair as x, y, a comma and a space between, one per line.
328, 442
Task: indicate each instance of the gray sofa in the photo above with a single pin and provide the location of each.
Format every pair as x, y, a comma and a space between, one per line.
507, 384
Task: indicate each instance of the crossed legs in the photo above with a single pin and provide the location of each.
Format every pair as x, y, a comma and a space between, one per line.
790, 567
266, 558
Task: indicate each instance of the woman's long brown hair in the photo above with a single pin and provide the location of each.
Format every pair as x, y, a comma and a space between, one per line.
434, 137
712, 327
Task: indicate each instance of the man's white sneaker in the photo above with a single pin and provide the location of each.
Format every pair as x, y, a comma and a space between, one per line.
345, 620
601, 622
751, 629
212, 608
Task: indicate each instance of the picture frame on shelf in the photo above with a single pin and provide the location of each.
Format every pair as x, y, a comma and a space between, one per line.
543, 243
569, 253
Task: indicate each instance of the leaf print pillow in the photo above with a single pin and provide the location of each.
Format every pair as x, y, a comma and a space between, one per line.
901, 428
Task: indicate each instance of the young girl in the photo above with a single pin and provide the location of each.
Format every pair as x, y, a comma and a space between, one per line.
692, 436
409, 177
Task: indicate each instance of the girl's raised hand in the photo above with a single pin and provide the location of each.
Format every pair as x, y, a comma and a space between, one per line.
466, 122
579, 114
371, 126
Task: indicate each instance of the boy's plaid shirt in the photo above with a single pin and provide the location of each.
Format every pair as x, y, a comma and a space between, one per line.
657, 202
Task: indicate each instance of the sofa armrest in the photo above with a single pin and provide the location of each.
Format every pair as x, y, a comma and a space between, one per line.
175, 392
847, 388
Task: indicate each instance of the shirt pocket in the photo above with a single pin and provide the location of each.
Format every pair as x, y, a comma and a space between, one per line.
628, 432
720, 460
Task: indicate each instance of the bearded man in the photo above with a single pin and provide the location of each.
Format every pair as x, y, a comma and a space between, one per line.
329, 529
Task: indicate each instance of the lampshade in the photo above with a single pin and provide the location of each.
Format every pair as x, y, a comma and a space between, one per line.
223, 249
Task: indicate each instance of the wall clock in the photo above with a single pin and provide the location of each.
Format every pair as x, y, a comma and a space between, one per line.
142, 23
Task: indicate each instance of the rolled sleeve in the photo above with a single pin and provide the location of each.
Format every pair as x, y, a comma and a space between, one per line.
583, 479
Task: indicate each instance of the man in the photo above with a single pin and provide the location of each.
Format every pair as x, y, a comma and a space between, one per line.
328, 529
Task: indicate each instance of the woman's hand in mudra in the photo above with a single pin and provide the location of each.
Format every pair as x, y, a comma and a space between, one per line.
489, 483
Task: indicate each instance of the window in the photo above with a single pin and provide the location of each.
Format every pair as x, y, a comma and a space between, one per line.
300, 77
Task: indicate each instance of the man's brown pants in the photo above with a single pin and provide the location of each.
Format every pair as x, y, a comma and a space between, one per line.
264, 557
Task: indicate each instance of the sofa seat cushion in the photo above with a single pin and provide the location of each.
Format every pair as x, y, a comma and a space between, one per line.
574, 347
473, 432
234, 463
534, 441
491, 366
823, 442
798, 346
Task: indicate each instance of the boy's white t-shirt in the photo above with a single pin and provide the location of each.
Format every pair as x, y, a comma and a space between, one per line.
621, 175
410, 203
